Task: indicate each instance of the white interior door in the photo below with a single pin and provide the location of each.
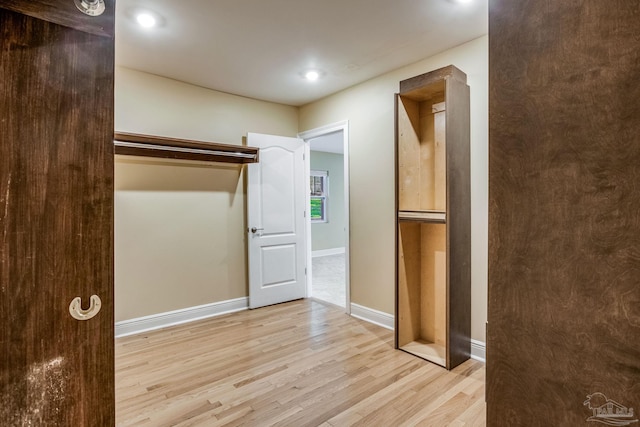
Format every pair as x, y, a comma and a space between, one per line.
276, 220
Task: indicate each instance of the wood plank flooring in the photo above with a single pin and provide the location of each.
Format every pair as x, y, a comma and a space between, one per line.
296, 364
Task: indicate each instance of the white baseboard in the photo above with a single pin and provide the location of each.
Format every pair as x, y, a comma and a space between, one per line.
177, 317
478, 350
327, 252
373, 316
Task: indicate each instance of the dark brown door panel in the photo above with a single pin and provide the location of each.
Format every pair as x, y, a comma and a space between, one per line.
56, 223
564, 213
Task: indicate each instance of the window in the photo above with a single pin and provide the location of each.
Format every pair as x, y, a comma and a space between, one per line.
319, 187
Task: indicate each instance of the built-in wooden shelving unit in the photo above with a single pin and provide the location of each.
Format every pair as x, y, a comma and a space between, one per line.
131, 144
433, 278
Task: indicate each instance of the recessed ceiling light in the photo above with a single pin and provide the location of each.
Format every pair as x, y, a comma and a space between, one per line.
312, 75
146, 20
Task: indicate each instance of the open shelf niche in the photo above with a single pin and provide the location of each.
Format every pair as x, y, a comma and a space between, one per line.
433, 274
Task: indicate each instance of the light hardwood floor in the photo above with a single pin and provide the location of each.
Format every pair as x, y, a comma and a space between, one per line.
296, 364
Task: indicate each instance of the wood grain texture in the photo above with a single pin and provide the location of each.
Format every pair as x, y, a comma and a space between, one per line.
65, 13
439, 162
295, 364
408, 286
443, 172
56, 223
408, 171
564, 223
433, 279
158, 142
424, 85
425, 156
422, 283
458, 219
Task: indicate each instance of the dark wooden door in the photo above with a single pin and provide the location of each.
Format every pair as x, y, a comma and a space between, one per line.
563, 345
56, 214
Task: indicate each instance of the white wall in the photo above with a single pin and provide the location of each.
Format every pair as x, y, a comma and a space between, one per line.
369, 107
180, 226
156, 105
330, 235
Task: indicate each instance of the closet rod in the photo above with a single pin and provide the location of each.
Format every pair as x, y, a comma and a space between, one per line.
131, 144
184, 150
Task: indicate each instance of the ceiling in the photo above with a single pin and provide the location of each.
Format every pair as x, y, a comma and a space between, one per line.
328, 143
261, 49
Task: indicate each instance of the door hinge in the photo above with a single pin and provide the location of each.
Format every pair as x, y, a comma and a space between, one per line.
305, 214
303, 156
305, 271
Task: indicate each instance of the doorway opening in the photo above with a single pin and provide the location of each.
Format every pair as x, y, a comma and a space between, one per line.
327, 172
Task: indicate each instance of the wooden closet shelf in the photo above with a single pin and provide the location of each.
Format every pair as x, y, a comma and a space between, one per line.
423, 216
172, 148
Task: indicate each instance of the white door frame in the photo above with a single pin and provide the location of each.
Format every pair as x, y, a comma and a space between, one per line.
306, 136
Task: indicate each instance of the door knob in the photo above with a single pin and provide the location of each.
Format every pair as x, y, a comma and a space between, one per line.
254, 229
76, 311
